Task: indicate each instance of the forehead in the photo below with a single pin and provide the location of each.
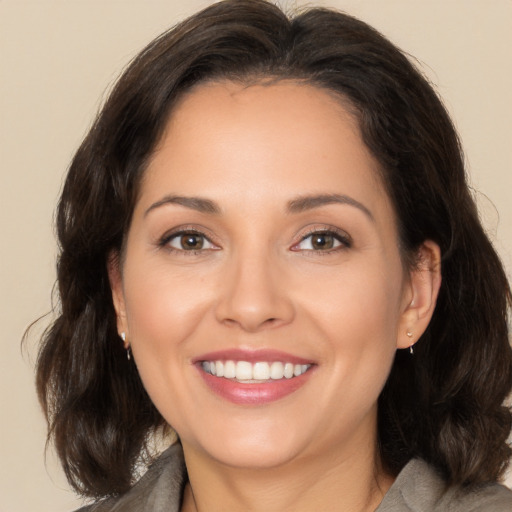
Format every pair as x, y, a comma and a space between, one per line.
286, 111
286, 138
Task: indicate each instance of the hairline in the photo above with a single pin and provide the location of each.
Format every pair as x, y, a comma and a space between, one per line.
251, 79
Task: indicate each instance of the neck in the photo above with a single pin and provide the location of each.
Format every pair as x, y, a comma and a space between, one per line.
352, 482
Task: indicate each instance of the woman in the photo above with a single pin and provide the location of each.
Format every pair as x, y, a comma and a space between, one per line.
268, 246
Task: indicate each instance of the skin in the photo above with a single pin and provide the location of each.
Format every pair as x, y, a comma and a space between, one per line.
259, 282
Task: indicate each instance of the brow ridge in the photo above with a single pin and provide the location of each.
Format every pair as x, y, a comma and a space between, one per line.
310, 202
298, 205
199, 204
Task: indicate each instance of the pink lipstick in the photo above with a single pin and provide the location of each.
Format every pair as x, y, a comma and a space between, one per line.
253, 377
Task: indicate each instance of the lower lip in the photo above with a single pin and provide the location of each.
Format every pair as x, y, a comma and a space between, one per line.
253, 394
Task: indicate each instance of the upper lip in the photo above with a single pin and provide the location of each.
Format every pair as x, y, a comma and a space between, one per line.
251, 356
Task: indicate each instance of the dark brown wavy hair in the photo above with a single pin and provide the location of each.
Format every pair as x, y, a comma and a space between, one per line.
444, 404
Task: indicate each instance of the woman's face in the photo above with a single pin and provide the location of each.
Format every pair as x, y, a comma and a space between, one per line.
263, 248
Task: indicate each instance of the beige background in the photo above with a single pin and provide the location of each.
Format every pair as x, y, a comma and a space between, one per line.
58, 58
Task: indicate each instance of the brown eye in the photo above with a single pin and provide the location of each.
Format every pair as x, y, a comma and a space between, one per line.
322, 241
189, 241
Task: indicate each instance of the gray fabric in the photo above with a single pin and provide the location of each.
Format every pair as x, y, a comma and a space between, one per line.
417, 489
159, 490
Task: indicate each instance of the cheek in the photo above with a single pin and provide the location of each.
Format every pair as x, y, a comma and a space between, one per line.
163, 309
163, 312
361, 299
358, 312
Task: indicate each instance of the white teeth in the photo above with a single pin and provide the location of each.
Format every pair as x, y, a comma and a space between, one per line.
260, 371
229, 370
288, 370
299, 369
243, 370
277, 371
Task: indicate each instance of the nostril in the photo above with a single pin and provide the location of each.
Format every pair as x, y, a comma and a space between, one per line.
252, 324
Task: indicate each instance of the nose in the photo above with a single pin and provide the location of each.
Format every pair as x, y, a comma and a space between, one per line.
254, 295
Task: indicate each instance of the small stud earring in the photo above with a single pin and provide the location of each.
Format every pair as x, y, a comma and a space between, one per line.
411, 350
126, 346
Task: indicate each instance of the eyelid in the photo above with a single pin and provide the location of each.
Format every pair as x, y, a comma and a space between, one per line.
179, 236
164, 240
340, 235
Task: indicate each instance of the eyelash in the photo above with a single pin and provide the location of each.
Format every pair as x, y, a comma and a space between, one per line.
339, 236
165, 241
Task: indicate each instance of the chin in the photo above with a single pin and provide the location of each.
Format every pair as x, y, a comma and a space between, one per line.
254, 457
258, 448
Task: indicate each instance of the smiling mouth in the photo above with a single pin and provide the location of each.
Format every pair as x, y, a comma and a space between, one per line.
254, 373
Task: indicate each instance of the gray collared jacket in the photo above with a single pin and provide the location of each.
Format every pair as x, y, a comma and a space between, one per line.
417, 489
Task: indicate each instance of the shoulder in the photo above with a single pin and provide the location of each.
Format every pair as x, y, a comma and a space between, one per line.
159, 490
490, 497
418, 488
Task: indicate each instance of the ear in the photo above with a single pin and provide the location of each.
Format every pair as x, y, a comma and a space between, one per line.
116, 286
420, 294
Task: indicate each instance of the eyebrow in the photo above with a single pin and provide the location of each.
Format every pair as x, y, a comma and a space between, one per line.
298, 205
194, 203
305, 203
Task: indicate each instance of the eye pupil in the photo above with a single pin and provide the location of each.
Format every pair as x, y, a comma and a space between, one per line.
322, 241
189, 241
